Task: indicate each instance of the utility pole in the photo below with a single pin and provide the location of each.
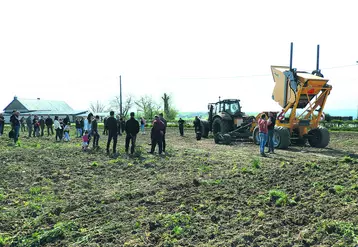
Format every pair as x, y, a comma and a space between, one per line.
120, 96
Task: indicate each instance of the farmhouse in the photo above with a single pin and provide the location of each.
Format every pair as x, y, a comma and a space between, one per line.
40, 107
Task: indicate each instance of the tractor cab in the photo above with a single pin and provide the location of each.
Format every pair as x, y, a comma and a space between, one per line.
231, 107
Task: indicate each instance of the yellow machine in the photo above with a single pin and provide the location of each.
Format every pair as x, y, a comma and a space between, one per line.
302, 96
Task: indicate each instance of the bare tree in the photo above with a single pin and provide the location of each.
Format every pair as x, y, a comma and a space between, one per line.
97, 107
166, 99
126, 105
147, 106
169, 111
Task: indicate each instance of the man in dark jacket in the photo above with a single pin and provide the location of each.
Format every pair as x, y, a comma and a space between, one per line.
29, 124
132, 129
66, 120
157, 134
161, 118
112, 132
271, 128
15, 123
94, 131
181, 126
2, 124
105, 126
42, 125
49, 125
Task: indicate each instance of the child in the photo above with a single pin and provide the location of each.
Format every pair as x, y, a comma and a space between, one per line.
85, 141
66, 130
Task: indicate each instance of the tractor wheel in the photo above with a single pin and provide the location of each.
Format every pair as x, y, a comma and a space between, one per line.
281, 137
227, 139
221, 126
204, 125
318, 138
255, 135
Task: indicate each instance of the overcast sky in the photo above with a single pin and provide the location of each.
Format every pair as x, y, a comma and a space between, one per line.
193, 50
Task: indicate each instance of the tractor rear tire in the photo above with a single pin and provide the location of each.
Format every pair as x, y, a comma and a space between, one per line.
220, 126
281, 137
319, 137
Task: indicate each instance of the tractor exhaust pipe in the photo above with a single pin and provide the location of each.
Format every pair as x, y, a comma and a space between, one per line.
317, 62
291, 54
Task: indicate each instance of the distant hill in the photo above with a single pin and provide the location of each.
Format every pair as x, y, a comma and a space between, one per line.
332, 112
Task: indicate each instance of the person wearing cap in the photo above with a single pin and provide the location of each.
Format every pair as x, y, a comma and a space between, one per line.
132, 129
157, 135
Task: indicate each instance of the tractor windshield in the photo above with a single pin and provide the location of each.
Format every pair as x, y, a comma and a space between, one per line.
233, 107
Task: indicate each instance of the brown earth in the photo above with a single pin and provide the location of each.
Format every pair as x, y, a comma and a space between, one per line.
198, 194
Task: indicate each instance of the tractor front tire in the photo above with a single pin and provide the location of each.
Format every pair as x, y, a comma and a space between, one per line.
319, 137
281, 137
220, 126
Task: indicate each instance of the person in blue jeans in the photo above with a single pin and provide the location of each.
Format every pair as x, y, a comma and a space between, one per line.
262, 123
15, 122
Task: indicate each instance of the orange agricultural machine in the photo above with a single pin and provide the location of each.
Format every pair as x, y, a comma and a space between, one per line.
302, 95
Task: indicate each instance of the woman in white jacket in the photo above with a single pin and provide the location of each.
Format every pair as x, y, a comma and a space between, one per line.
58, 128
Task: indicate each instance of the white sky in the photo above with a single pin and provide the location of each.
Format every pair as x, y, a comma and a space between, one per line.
194, 50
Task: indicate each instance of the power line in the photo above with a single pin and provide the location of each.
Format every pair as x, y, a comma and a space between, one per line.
257, 75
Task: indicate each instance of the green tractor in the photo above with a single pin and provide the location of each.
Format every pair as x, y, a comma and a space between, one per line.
227, 122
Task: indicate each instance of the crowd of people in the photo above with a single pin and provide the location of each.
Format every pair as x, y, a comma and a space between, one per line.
87, 129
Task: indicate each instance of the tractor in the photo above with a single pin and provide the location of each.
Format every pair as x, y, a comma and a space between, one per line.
227, 122
302, 95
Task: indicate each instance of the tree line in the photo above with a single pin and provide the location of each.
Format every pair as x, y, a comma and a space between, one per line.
145, 106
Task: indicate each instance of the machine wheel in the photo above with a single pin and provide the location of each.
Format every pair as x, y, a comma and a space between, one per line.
221, 126
281, 137
319, 138
255, 135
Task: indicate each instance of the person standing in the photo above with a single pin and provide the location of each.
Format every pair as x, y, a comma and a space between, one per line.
142, 125
42, 125
161, 118
132, 129
82, 125
66, 120
105, 126
271, 129
15, 123
197, 124
36, 126
49, 125
2, 124
181, 126
29, 125
262, 123
123, 124
157, 135
119, 125
112, 132
94, 130
23, 124
78, 128
62, 128
57, 128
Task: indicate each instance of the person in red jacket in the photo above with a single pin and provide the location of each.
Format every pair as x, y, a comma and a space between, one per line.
157, 133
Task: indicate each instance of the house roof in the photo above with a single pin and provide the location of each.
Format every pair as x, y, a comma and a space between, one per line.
45, 105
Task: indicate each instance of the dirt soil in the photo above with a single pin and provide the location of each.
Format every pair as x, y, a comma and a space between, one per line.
198, 194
